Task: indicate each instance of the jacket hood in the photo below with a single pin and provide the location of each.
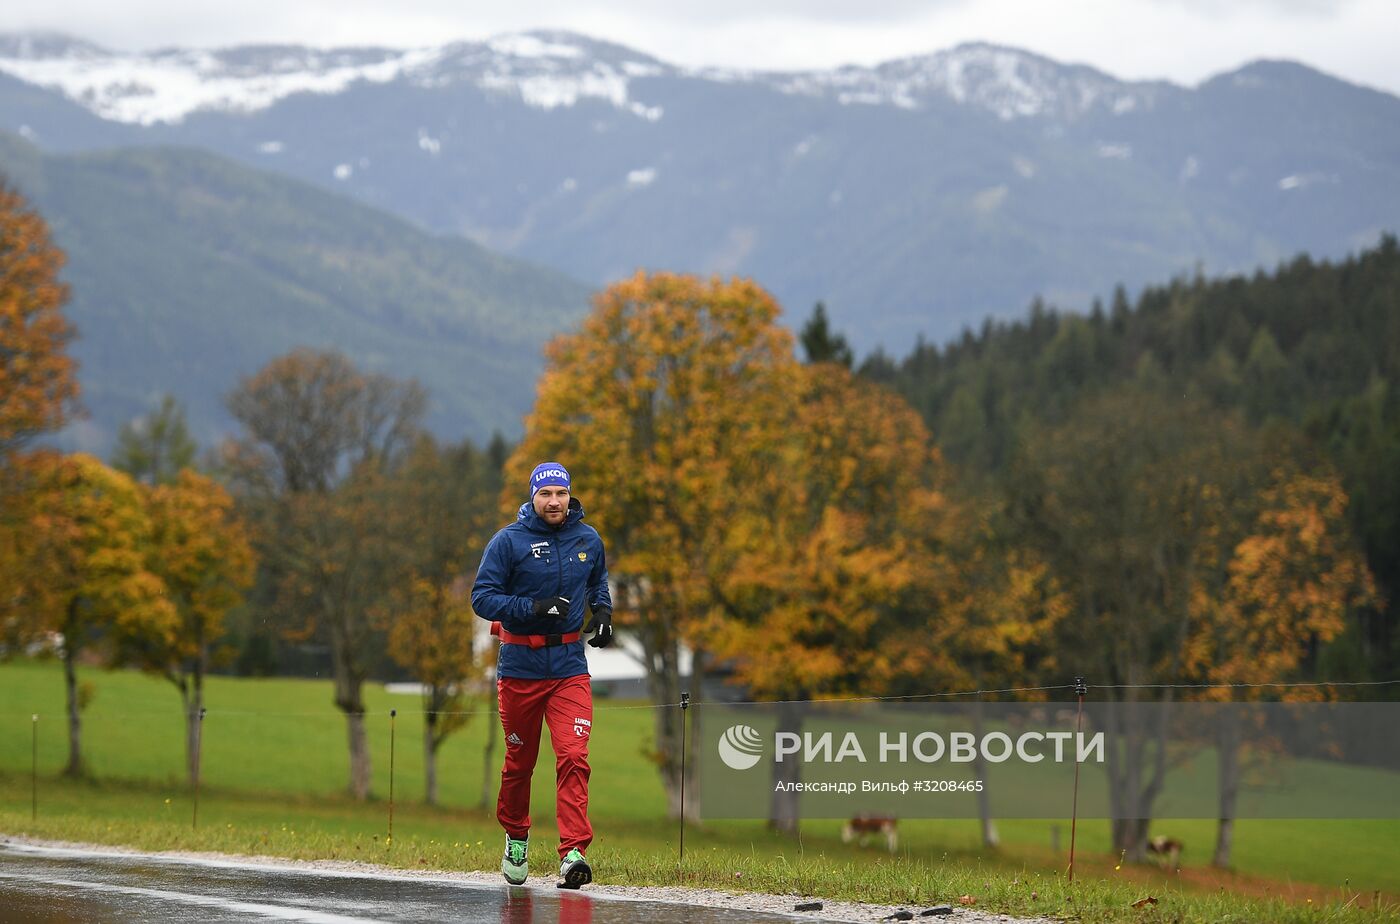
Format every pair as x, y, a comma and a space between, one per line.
532, 521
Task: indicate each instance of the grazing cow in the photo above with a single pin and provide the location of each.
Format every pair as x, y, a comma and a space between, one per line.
861, 827
1168, 847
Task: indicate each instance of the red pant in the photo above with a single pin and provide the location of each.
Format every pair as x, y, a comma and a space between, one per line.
567, 705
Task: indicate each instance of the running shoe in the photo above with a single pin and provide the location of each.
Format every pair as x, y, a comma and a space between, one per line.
574, 870
515, 865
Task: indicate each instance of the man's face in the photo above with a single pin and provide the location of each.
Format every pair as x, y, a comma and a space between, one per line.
552, 504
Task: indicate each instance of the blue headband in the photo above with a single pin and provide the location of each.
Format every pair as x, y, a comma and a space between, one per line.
548, 473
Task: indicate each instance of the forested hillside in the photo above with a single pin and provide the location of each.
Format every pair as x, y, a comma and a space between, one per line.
1306, 357
189, 271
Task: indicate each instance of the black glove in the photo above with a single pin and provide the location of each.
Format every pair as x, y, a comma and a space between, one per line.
602, 627
553, 607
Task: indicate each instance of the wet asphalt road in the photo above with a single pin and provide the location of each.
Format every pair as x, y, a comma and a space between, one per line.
63, 887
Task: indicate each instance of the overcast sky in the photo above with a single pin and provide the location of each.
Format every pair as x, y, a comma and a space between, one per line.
1180, 40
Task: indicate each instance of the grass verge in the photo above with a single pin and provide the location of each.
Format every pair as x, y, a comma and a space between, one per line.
733, 857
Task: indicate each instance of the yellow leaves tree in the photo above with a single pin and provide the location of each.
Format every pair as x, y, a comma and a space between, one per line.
37, 381
1292, 582
433, 633
38, 387
833, 555
856, 572
202, 554
674, 392
443, 512
85, 551
998, 610
788, 519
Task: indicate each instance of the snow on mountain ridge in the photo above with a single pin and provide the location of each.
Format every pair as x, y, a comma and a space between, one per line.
546, 69
1005, 81
168, 85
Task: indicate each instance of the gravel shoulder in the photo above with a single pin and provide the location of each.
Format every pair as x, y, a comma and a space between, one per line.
744, 901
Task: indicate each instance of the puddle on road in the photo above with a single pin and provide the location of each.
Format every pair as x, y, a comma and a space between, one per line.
54, 886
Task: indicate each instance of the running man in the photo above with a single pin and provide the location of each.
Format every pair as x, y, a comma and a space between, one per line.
538, 579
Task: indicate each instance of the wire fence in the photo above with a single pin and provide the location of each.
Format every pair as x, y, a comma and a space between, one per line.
1076, 691
904, 697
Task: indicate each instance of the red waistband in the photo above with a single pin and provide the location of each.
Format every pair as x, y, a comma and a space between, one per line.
534, 641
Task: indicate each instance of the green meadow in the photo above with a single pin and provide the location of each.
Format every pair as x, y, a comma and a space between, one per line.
275, 774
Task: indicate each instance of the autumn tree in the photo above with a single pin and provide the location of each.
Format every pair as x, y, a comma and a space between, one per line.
444, 510
320, 442
824, 560
673, 391
38, 386
997, 613
852, 570
84, 568
1135, 502
1292, 582
822, 556
202, 554
155, 448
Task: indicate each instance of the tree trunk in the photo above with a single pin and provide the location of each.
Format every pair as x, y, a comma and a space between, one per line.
349, 698
70, 680
1123, 764
1228, 748
359, 753
194, 703
979, 769
666, 688
661, 652
1130, 838
1113, 767
1132, 778
783, 810
692, 779
1146, 796
1130, 798
430, 747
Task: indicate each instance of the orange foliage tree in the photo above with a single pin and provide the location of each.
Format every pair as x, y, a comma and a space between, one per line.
203, 555
825, 556
37, 381
443, 510
855, 572
1291, 584
84, 566
674, 391
790, 520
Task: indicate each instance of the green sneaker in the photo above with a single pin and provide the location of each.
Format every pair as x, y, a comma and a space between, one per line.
515, 865
574, 870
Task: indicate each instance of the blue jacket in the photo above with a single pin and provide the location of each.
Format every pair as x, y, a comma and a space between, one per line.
531, 560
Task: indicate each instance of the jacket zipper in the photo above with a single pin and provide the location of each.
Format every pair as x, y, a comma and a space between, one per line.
559, 565
559, 561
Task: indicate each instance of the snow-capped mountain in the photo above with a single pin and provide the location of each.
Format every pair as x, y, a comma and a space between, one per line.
169, 85
915, 196
1007, 82
544, 69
